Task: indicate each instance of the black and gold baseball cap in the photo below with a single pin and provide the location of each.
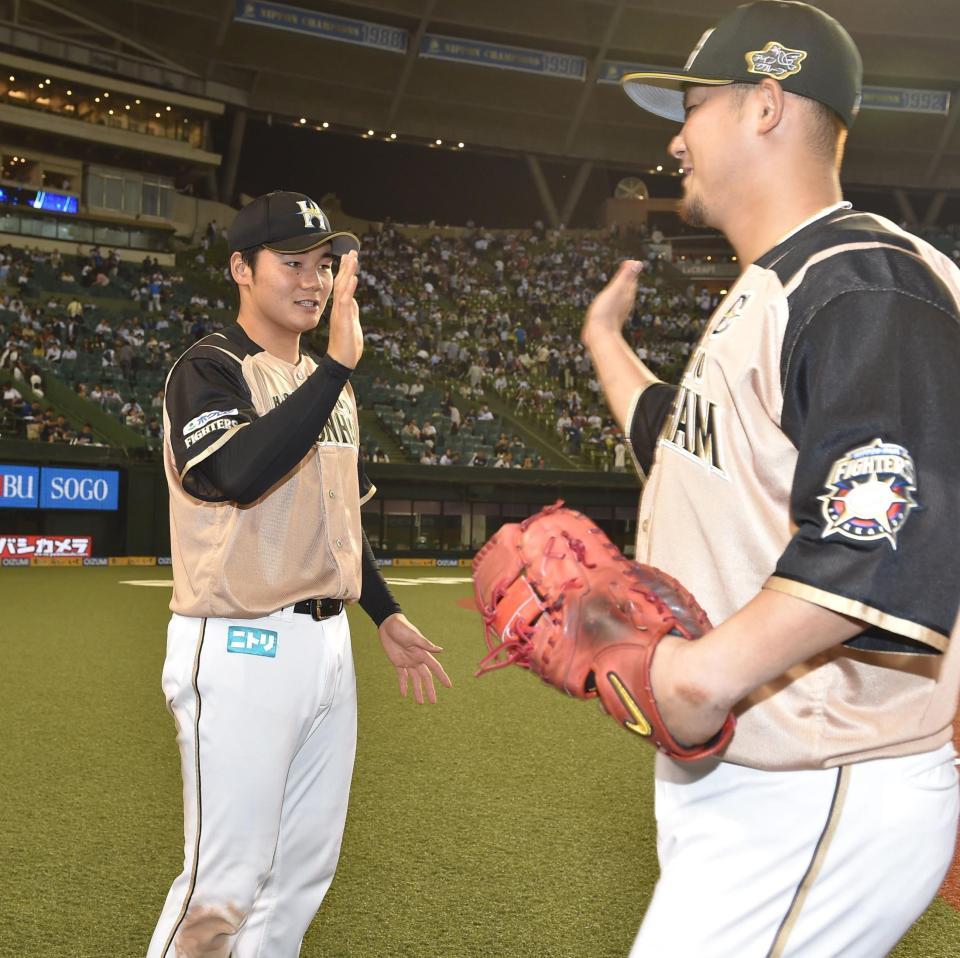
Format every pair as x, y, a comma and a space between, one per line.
803, 48
286, 222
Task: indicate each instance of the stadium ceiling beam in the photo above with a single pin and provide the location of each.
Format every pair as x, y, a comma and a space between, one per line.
589, 87
413, 53
543, 189
105, 30
906, 207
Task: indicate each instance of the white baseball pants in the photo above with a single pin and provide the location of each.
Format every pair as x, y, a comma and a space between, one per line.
266, 720
805, 864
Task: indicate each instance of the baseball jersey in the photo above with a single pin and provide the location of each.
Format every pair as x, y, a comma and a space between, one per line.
811, 448
301, 538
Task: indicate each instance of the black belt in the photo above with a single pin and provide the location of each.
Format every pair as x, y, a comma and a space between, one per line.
319, 608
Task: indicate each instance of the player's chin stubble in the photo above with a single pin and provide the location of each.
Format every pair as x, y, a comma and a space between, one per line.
693, 212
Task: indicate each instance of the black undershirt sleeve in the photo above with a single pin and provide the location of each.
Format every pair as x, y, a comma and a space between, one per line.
649, 415
375, 596
260, 454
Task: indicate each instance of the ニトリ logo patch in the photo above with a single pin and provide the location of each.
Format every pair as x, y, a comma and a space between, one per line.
869, 493
775, 60
250, 641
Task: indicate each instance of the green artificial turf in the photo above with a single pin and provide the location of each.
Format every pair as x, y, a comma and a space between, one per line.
505, 821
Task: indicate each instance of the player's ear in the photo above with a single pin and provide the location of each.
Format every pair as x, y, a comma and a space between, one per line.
770, 97
239, 270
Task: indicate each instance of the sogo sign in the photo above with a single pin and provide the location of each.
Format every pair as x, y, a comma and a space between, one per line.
26, 487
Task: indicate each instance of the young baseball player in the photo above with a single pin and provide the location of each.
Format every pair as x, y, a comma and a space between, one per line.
261, 454
804, 482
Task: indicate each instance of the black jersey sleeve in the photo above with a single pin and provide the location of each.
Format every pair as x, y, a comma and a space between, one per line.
249, 453
645, 419
367, 489
207, 401
871, 390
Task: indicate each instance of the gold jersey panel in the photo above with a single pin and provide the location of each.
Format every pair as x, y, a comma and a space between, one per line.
299, 540
716, 514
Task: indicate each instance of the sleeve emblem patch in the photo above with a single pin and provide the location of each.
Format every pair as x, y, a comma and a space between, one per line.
869, 493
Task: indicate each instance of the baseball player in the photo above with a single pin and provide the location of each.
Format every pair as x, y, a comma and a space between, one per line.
261, 454
804, 482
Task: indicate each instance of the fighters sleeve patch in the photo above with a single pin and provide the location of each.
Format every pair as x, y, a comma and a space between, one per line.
870, 395
206, 399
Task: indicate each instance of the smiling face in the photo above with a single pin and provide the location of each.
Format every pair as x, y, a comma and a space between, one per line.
285, 293
709, 148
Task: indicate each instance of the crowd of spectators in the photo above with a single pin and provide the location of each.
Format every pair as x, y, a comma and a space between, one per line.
500, 312
479, 315
108, 329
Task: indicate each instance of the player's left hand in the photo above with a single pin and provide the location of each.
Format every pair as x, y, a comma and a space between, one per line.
412, 656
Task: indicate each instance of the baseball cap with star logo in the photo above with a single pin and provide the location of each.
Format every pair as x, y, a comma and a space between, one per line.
286, 222
805, 50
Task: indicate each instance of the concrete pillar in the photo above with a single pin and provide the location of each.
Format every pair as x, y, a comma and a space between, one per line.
228, 176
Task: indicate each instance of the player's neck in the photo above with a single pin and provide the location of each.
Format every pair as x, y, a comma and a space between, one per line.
282, 343
759, 227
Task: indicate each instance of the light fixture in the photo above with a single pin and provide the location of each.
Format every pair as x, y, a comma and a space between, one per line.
12, 79
137, 102
186, 119
40, 85
169, 108
393, 136
369, 132
157, 115
69, 92
47, 81
127, 107
459, 146
438, 142
659, 168
325, 124
106, 95
110, 112
96, 99
303, 119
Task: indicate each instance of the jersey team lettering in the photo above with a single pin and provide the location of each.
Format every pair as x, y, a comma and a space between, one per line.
210, 427
204, 418
869, 493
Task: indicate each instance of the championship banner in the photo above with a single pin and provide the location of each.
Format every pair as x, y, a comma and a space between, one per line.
903, 100
898, 99
29, 547
563, 65
325, 26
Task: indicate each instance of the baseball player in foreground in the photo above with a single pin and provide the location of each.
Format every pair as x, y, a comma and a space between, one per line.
804, 483
261, 449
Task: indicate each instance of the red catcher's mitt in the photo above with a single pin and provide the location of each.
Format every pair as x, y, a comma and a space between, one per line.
558, 598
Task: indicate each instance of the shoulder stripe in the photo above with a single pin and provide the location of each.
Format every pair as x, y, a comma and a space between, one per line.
212, 448
860, 610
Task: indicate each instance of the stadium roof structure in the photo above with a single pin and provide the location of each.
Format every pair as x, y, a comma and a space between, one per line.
534, 77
